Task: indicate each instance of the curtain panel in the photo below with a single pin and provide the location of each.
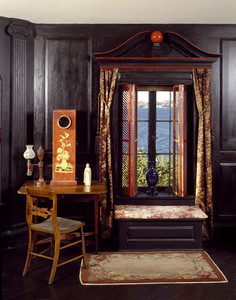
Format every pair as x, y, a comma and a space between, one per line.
202, 86
108, 79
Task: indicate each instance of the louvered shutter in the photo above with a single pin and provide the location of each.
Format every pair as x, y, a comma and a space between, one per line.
180, 140
129, 140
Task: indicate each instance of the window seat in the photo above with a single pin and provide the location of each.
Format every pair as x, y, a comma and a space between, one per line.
158, 227
159, 212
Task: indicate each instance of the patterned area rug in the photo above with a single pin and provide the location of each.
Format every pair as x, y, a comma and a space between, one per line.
150, 268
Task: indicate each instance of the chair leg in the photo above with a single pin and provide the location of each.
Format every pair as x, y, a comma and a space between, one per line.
29, 255
83, 248
55, 259
52, 246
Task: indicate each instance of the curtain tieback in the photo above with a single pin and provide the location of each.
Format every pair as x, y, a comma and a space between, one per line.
97, 139
204, 110
107, 118
107, 110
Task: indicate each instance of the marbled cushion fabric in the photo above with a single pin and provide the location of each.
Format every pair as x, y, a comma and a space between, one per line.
158, 212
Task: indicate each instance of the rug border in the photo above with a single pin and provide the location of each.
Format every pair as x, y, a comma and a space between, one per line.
207, 257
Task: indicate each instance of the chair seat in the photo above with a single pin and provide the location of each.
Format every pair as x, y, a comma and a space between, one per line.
65, 225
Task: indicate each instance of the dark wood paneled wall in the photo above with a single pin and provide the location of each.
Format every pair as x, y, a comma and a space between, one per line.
66, 76
226, 172
17, 116
5, 122
22, 36
63, 67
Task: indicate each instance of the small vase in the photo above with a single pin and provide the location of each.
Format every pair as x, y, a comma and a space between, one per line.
152, 178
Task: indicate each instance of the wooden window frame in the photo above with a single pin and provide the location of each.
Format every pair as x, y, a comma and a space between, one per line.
182, 189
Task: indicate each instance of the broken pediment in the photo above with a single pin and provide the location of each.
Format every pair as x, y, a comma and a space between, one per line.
156, 49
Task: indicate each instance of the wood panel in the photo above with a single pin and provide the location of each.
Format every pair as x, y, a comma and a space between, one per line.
228, 100
67, 85
227, 193
5, 57
22, 35
64, 66
159, 235
225, 168
0, 138
155, 77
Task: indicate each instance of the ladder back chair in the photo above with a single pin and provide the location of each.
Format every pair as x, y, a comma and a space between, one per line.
44, 221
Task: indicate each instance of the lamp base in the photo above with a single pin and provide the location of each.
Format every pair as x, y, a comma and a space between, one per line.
40, 183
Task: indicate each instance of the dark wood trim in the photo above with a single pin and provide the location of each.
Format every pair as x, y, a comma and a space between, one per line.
0, 138
22, 36
159, 234
130, 43
185, 46
163, 198
149, 55
176, 41
156, 67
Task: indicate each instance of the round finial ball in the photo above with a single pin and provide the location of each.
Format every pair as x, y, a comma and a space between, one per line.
156, 37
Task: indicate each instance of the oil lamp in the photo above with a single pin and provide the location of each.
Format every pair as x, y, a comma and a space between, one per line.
29, 154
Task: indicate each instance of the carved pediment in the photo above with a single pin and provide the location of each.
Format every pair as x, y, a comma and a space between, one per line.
140, 50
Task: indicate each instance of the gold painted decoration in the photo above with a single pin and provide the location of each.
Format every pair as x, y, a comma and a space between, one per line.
63, 156
64, 147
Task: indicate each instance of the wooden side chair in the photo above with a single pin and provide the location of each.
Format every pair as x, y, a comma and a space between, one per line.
44, 221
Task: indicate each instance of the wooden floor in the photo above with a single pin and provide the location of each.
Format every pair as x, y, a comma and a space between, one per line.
67, 286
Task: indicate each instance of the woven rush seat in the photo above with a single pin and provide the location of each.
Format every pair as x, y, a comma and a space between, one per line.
64, 225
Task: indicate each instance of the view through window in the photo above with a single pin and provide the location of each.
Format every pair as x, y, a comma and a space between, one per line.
155, 133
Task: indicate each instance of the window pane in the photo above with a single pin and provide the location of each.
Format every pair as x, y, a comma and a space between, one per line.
142, 105
163, 169
171, 170
143, 136
162, 134
163, 105
142, 170
171, 105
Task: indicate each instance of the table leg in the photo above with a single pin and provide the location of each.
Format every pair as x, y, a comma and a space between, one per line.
96, 224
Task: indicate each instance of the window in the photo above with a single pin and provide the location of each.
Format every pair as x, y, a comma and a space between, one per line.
154, 128
155, 133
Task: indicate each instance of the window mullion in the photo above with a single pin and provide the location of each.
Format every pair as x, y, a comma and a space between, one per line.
170, 133
152, 127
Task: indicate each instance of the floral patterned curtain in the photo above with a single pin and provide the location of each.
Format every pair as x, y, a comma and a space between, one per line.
107, 86
202, 86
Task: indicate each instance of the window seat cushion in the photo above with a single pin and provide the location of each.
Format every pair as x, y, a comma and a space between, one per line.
158, 212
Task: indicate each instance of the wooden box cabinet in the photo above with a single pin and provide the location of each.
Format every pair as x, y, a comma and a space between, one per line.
159, 235
64, 147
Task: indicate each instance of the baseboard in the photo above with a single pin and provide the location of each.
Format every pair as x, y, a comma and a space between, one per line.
224, 232
14, 238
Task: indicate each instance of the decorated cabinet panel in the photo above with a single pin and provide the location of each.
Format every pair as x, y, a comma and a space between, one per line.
64, 147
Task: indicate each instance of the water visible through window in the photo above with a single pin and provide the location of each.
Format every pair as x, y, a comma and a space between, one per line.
161, 134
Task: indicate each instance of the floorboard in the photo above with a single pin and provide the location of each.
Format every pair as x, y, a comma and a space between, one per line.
67, 286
